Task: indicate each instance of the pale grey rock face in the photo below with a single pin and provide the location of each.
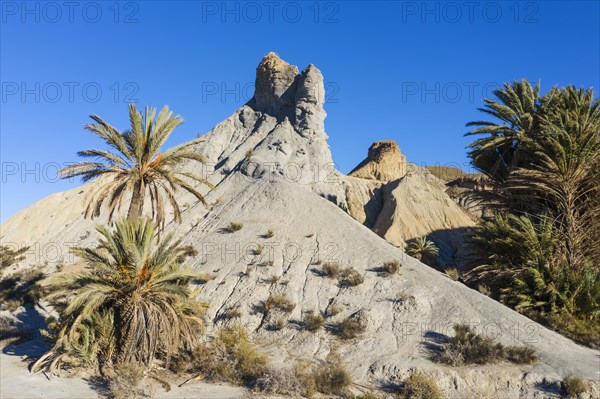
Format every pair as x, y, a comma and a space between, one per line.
274, 85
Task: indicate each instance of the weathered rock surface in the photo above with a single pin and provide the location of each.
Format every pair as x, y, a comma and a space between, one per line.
384, 163
274, 172
401, 201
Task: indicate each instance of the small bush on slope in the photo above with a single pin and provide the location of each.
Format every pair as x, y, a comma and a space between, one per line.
351, 327
467, 347
229, 357
351, 278
420, 386
575, 386
331, 269
313, 321
332, 377
233, 227
391, 267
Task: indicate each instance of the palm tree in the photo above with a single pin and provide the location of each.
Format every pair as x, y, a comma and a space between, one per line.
421, 248
500, 150
132, 305
137, 168
563, 173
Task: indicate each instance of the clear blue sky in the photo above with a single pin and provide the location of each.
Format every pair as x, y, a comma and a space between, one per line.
410, 71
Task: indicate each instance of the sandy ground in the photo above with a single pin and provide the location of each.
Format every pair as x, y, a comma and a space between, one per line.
17, 383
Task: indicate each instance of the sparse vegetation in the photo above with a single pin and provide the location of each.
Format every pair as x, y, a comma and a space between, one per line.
331, 269
468, 347
420, 386
452, 273
249, 153
277, 325
279, 302
273, 279
231, 313
289, 381
233, 227
575, 386
20, 288
258, 250
11, 331
484, 289
230, 357
131, 305
313, 321
124, 382
333, 310
332, 377
10, 257
350, 327
351, 278
269, 234
391, 267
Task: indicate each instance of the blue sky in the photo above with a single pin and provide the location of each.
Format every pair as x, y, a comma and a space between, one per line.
410, 71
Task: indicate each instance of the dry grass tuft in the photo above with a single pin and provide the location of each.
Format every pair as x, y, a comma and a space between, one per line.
229, 357
420, 386
233, 227
279, 302
313, 321
351, 278
575, 386
333, 310
468, 347
452, 273
331, 269
124, 383
332, 378
391, 267
351, 327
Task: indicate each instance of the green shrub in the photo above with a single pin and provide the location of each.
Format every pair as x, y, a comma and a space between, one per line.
420, 386
391, 267
575, 386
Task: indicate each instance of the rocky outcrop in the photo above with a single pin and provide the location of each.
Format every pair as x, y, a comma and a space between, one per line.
272, 170
384, 163
401, 201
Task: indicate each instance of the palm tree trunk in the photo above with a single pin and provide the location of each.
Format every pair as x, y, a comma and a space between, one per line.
136, 207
